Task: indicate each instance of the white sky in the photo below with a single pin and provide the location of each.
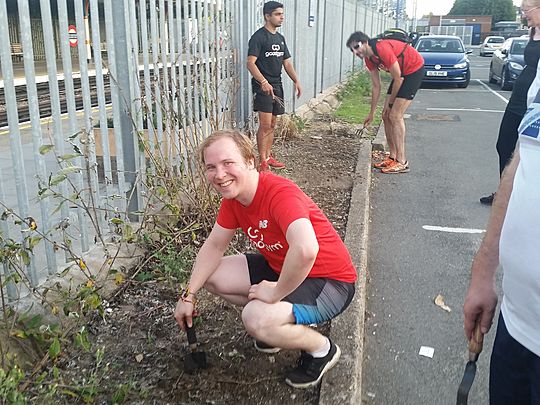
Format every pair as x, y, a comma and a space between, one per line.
437, 7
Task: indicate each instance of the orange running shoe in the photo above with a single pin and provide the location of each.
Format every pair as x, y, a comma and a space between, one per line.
396, 167
385, 163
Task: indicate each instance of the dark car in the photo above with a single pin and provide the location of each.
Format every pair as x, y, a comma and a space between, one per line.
508, 62
445, 59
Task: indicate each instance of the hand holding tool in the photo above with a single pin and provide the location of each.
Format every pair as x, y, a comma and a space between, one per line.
475, 347
194, 359
360, 131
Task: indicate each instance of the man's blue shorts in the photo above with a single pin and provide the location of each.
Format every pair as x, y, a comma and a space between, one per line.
316, 300
514, 377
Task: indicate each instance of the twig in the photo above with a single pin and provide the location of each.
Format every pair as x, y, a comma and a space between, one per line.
248, 382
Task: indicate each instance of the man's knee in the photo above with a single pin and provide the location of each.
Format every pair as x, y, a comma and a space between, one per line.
254, 319
395, 117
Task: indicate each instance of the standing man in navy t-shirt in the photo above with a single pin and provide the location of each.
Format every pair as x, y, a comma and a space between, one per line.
267, 53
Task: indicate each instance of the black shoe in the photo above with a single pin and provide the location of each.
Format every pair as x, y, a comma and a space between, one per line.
488, 200
264, 348
310, 370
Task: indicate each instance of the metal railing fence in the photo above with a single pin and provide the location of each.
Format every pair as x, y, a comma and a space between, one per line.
139, 86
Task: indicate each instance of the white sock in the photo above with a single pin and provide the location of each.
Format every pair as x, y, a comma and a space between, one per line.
323, 351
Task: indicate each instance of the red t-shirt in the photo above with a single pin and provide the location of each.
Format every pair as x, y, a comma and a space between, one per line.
388, 50
277, 203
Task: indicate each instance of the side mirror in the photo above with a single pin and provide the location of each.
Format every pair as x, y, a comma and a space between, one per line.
468, 51
504, 51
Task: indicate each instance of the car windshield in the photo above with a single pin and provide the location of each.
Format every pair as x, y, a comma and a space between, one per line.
495, 40
448, 45
518, 47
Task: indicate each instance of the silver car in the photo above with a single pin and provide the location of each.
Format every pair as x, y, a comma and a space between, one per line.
490, 45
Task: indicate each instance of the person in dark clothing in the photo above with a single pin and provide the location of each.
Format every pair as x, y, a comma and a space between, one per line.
267, 54
517, 106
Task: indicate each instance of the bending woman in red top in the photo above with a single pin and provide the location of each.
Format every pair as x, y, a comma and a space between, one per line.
301, 275
406, 66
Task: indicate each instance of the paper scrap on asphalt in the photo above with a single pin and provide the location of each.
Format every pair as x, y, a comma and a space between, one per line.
439, 301
426, 351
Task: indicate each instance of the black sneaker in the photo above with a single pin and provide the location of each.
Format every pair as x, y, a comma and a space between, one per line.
487, 200
310, 370
264, 348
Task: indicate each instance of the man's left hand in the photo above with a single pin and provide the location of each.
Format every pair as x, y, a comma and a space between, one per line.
265, 291
298, 89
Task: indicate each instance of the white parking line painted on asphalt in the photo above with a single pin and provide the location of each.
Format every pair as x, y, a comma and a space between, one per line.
494, 92
464, 109
452, 230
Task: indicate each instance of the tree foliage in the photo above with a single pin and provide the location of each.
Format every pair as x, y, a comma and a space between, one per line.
500, 10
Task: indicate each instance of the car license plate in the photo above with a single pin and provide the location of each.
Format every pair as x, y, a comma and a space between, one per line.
436, 73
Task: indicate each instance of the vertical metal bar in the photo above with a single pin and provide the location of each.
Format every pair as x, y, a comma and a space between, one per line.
199, 50
147, 78
137, 103
37, 136
102, 102
122, 65
182, 101
115, 100
365, 18
341, 36
207, 99
323, 53
240, 62
94, 194
175, 121
132, 111
157, 76
295, 50
317, 60
4, 231
165, 103
13, 123
70, 101
189, 77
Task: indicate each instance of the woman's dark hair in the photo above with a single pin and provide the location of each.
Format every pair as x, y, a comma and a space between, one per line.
358, 37
270, 6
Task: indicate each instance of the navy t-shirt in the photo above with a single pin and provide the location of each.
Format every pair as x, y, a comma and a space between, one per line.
270, 50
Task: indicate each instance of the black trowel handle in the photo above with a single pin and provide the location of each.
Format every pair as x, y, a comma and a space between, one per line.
191, 336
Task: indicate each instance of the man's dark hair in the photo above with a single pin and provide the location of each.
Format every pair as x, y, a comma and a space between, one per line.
270, 6
358, 37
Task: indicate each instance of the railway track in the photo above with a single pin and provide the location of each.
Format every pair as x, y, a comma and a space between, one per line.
44, 99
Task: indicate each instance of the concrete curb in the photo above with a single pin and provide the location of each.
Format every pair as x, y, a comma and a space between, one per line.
379, 143
343, 385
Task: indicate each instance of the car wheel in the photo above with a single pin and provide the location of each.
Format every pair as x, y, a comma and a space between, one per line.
504, 81
466, 82
491, 78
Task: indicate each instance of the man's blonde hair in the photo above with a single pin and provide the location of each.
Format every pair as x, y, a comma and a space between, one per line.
244, 144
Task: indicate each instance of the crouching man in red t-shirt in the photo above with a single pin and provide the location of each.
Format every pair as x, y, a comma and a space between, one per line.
302, 275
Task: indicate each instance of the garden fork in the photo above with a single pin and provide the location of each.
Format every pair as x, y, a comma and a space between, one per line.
360, 131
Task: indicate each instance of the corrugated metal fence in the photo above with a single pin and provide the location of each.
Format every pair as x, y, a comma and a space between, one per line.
137, 83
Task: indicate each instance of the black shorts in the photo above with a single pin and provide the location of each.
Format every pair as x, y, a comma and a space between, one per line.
316, 300
264, 103
410, 85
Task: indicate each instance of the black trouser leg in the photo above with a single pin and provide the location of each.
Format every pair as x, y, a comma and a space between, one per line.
508, 135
